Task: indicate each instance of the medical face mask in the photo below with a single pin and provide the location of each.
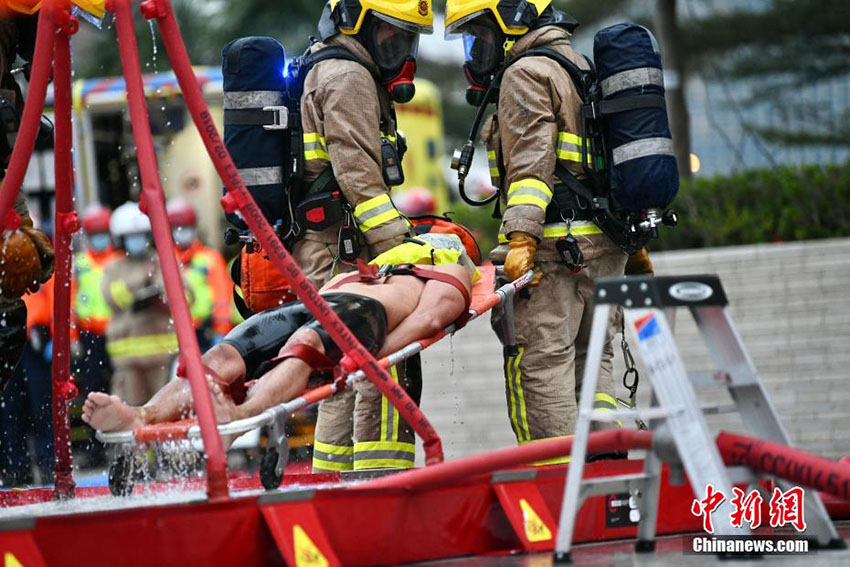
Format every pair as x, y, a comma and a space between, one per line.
100, 241
184, 236
136, 244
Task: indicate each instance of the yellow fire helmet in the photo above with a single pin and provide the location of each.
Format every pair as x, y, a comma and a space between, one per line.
513, 16
95, 7
414, 15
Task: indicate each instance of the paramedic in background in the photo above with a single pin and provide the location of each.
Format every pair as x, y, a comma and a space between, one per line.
205, 272
538, 124
91, 311
347, 114
140, 339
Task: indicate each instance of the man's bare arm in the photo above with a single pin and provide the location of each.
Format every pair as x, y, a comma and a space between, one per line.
439, 305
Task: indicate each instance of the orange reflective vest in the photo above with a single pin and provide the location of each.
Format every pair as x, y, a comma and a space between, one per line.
205, 273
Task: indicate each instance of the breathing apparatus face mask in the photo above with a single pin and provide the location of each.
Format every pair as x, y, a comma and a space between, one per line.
136, 244
184, 236
99, 241
393, 45
483, 47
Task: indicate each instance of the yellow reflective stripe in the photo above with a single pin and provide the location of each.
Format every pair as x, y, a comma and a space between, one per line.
320, 464
375, 212
529, 192
315, 147
121, 294
143, 346
333, 449
569, 147
382, 464
605, 402
570, 138
491, 154
361, 446
552, 461
388, 414
518, 415
559, 230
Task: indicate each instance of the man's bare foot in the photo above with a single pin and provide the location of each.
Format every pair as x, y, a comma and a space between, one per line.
108, 413
225, 410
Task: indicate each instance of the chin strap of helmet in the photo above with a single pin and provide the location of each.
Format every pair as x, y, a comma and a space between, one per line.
401, 87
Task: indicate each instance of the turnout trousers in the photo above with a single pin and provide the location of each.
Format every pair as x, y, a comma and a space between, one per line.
357, 429
543, 370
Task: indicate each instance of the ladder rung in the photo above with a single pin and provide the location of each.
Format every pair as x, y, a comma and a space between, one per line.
625, 414
718, 409
618, 483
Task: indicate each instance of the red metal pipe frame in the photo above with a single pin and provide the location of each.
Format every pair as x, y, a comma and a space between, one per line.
153, 202
65, 224
238, 198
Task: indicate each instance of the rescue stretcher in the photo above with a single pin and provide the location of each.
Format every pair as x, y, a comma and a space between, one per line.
275, 458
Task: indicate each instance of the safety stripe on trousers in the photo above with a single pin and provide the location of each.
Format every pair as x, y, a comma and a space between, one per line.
149, 345
517, 410
643, 148
529, 192
332, 457
632, 78
315, 147
569, 147
389, 415
375, 212
605, 402
383, 454
553, 460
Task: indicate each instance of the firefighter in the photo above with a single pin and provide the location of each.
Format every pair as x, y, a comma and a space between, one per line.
91, 311
205, 272
538, 123
26, 255
140, 339
349, 123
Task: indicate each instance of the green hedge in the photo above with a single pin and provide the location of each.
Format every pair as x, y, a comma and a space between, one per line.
769, 205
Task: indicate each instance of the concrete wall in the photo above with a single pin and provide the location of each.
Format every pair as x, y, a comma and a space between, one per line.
790, 303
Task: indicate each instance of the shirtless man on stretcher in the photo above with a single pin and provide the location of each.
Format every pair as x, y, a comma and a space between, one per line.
280, 348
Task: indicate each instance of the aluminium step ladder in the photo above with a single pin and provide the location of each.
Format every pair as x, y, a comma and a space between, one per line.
681, 434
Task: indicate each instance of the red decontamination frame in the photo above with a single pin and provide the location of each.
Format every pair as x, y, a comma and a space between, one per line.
56, 25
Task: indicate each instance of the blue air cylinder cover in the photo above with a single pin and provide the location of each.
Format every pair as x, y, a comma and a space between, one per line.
253, 69
644, 173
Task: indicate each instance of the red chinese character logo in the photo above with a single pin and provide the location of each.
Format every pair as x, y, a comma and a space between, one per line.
746, 508
787, 508
706, 506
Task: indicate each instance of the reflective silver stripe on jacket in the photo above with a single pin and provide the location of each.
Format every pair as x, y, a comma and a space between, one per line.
632, 78
643, 148
252, 99
262, 175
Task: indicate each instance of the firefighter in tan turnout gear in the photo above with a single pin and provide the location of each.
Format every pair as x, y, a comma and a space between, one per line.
349, 124
140, 339
538, 123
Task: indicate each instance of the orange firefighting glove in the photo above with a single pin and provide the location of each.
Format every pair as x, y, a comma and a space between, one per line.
20, 265
44, 247
639, 264
520, 258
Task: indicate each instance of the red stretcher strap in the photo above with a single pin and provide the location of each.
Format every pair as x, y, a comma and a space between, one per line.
310, 356
164, 431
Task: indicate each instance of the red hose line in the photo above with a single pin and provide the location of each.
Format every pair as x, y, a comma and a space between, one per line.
31, 119
238, 198
786, 462
599, 442
65, 223
153, 201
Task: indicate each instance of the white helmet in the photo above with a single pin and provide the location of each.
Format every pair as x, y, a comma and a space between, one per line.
128, 219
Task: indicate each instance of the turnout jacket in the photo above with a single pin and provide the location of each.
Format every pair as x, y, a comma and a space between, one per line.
538, 123
344, 112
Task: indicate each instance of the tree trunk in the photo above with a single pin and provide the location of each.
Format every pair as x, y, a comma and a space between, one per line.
667, 27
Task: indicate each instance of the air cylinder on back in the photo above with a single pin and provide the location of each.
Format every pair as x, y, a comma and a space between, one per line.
644, 173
